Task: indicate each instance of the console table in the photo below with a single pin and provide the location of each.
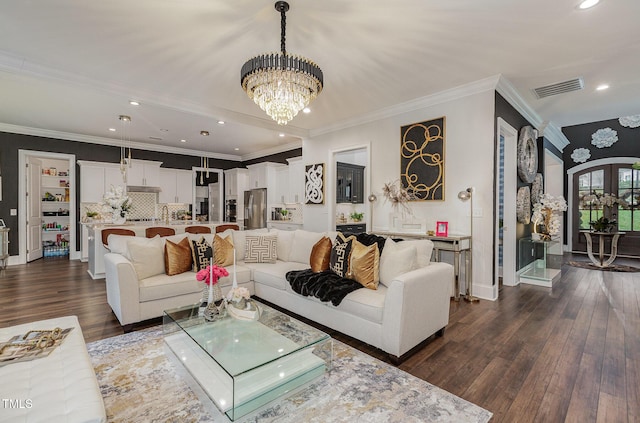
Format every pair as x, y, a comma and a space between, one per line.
454, 243
600, 261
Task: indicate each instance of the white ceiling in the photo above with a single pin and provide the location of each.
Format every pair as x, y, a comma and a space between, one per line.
70, 67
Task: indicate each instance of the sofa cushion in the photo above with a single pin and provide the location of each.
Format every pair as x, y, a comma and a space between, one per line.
340, 255
163, 286
424, 248
223, 250
283, 245
397, 258
177, 257
321, 255
261, 248
365, 303
202, 253
118, 244
303, 242
146, 255
274, 274
239, 239
364, 264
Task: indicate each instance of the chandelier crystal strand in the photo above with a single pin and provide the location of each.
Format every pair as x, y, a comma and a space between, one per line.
279, 83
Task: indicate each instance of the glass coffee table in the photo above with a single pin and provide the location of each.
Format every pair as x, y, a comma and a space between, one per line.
243, 365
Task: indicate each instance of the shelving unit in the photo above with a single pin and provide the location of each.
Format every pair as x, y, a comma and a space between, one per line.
55, 215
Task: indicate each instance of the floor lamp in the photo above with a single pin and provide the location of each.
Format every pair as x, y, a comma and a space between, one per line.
372, 199
464, 196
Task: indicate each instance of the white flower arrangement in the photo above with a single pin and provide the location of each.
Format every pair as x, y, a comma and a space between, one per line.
546, 212
236, 295
604, 137
597, 201
581, 155
116, 201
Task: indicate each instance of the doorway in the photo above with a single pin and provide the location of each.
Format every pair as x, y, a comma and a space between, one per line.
505, 223
47, 205
356, 156
619, 179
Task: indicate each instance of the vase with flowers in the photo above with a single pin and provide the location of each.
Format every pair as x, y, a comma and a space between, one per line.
212, 294
606, 202
117, 203
546, 216
241, 306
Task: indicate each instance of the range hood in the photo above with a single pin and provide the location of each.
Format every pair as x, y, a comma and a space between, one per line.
142, 188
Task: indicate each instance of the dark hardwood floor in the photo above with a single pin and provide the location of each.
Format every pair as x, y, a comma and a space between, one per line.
571, 353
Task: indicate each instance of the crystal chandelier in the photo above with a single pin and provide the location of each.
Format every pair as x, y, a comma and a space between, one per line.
280, 83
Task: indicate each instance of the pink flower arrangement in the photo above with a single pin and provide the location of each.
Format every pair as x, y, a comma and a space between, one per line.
214, 272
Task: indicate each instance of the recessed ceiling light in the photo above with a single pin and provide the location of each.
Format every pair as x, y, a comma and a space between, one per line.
204, 133
134, 103
602, 87
164, 130
183, 140
281, 135
112, 129
237, 149
221, 122
586, 4
306, 110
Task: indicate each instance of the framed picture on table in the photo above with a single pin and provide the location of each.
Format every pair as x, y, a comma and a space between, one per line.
442, 229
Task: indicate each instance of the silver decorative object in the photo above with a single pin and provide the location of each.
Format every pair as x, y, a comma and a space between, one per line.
604, 137
630, 121
581, 155
537, 189
523, 205
527, 154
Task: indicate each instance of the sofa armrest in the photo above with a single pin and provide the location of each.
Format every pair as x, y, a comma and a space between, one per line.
123, 294
416, 306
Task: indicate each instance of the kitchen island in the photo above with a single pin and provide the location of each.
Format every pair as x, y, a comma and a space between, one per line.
96, 251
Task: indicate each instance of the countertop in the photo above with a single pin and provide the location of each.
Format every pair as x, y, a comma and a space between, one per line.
351, 223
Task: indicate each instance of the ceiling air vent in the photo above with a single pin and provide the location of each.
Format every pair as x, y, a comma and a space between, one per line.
559, 88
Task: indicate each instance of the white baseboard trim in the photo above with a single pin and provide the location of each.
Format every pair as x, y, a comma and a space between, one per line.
485, 292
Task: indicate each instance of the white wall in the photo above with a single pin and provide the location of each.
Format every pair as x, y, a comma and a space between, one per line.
469, 161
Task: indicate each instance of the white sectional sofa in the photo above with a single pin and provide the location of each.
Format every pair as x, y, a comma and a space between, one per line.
405, 309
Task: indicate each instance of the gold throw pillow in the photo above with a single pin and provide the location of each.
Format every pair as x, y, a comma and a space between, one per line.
321, 255
223, 250
365, 264
177, 257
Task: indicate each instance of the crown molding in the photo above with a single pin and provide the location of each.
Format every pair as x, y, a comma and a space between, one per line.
455, 93
273, 150
549, 130
47, 133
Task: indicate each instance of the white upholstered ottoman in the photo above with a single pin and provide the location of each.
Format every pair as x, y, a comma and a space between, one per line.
61, 387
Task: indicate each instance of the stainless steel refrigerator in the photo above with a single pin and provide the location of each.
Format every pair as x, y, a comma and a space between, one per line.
214, 203
255, 208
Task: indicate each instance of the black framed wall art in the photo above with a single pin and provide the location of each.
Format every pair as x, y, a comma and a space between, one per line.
422, 159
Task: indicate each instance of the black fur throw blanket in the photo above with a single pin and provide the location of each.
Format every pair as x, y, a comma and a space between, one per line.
326, 286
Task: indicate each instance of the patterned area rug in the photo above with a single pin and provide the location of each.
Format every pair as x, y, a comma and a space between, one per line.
611, 268
140, 384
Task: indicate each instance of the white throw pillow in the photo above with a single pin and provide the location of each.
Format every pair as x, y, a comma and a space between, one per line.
239, 239
303, 242
396, 259
424, 248
118, 244
261, 248
285, 239
147, 256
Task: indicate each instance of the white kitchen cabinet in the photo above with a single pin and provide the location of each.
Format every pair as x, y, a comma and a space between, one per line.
144, 173
235, 182
263, 175
176, 186
96, 178
296, 180
282, 185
